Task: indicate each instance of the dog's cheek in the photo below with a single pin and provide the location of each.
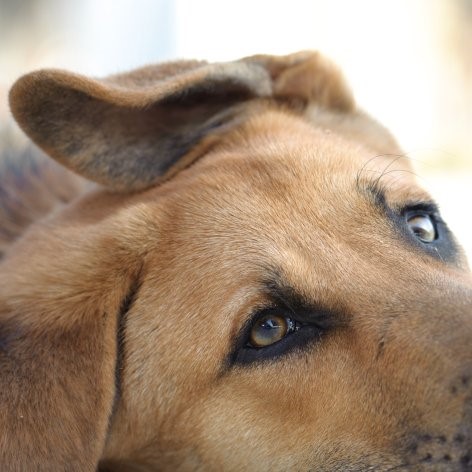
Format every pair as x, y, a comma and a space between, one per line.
291, 415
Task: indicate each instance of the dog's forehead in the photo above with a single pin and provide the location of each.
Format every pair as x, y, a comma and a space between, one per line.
280, 154
283, 195
290, 176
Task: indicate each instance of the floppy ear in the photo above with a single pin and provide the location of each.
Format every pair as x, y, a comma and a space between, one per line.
59, 345
307, 76
133, 130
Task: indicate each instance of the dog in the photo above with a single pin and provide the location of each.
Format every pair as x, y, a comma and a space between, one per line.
241, 273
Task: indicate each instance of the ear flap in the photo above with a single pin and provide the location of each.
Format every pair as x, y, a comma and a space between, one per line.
133, 130
307, 76
59, 373
129, 131
57, 394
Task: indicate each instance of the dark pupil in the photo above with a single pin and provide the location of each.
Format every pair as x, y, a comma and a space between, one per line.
419, 231
271, 323
268, 330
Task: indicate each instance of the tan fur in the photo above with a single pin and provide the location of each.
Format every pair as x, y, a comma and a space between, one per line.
119, 313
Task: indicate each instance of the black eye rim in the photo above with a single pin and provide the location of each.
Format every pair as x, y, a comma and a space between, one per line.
443, 248
312, 325
306, 336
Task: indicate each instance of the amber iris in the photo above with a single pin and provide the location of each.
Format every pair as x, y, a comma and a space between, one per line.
268, 330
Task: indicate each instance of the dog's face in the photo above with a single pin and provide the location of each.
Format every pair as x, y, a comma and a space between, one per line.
275, 293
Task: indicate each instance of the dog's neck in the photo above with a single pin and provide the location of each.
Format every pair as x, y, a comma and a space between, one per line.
31, 187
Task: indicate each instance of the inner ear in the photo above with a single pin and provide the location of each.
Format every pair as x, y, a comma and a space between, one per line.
133, 147
118, 144
133, 130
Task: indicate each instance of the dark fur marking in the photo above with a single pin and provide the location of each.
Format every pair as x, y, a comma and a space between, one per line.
282, 293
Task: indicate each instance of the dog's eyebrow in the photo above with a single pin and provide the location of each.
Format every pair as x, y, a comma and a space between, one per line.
283, 293
280, 291
375, 193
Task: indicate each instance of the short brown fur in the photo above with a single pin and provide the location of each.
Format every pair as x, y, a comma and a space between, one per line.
121, 309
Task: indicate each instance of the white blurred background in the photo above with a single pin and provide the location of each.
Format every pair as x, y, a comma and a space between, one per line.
409, 61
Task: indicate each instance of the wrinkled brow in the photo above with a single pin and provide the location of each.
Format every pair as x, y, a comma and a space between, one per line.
282, 293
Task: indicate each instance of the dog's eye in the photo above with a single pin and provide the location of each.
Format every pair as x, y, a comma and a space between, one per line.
269, 329
422, 224
274, 332
423, 227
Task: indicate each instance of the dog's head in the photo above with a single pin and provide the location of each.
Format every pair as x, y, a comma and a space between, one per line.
257, 282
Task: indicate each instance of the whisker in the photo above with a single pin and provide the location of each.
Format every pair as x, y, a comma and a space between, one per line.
407, 171
366, 163
396, 156
384, 172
